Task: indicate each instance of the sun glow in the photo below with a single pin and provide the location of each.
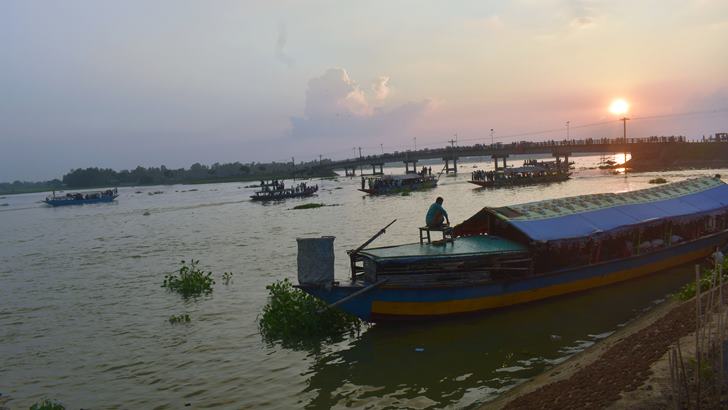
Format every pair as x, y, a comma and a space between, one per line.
619, 107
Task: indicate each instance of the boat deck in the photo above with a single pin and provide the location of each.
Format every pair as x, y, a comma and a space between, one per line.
460, 247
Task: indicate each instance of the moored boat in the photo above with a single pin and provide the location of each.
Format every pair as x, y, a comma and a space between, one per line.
531, 172
522, 253
394, 184
277, 191
81, 198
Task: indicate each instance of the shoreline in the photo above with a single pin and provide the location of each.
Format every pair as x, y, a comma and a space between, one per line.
628, 369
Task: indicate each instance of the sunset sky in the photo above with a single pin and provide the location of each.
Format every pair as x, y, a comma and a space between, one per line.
125, 83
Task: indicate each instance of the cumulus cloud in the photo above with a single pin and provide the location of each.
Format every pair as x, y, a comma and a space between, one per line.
281, 46
381, 87
336, 106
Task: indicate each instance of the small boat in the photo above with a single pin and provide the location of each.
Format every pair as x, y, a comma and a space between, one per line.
394, 184
532, 172
522, 253
277, 191
81, 198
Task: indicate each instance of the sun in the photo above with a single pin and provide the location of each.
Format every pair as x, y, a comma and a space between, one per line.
619, 106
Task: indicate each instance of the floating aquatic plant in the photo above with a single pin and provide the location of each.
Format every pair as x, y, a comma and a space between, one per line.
227, 277
309, 206
47, 404
175, 319
295, 318
190, 280
658, 181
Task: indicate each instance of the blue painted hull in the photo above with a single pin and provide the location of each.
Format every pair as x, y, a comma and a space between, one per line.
64, 202
412, 302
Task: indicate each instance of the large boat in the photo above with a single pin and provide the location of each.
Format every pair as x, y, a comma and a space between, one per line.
394, 184
522, 253
276, 191
531, 172
80, 198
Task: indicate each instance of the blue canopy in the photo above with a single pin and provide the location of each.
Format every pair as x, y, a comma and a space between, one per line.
585, 215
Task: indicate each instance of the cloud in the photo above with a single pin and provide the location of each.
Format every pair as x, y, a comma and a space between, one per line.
281, 45
336, 107
493, 22
381, 87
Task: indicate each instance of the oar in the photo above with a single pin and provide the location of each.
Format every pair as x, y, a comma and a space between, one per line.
356, 294
376, 235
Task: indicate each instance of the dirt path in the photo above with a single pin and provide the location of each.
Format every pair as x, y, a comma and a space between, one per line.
598, 377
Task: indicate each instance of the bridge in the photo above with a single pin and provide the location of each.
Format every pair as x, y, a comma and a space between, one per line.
558, 149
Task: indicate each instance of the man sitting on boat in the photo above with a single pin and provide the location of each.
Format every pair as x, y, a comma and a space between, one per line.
436, 215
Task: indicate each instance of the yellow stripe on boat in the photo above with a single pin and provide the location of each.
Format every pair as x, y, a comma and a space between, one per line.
490, 302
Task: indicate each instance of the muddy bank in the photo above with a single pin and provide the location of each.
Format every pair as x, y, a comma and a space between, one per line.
610, 373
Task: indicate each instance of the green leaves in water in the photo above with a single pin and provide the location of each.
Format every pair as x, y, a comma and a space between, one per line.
658, 181
297, 319
47, 405
190, 280
309, 206
183, 318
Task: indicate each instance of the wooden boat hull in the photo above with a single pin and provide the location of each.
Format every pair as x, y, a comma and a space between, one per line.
64, 202
408, 303
520, 181
398, 190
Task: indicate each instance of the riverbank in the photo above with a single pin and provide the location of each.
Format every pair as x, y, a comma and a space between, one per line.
627, 370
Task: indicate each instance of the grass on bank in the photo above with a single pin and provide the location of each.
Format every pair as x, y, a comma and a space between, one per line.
190, 280
295, 318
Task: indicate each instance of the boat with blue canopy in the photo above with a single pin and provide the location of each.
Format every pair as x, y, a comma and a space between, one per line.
82, 198
504, 256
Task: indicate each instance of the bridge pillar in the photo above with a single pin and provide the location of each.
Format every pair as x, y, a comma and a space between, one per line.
448, 168
381, 168
565, 166
350, 171
407, 169
496, 157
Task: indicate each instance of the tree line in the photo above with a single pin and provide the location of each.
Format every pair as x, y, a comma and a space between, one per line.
197, 173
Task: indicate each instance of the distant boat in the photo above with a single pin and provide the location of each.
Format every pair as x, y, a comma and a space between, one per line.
521, 253
532, 172
81, 198
394, 184
276, 191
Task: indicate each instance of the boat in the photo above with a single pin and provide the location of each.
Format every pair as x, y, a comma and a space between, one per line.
81, 198
277, 191
394, 184
522, 253
532, 172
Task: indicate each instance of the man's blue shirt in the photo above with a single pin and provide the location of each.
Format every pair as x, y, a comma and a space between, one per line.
434, 209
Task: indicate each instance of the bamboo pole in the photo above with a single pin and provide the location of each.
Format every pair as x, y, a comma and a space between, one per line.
697, 336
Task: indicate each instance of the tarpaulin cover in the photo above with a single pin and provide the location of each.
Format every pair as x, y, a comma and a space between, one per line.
584, 215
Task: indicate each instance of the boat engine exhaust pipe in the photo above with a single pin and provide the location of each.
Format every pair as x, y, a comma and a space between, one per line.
316, 261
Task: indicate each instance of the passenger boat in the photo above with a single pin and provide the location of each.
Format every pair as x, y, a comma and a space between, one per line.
278, 191
532, 172
394, 184
522, 253
80, 198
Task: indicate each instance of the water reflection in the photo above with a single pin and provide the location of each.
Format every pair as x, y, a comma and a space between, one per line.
469, 360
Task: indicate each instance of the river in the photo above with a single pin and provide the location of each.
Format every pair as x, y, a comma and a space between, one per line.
84, 319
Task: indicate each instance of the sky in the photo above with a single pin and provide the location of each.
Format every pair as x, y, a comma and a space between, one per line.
119, 84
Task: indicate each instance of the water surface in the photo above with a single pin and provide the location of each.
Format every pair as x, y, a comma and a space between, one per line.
83, 318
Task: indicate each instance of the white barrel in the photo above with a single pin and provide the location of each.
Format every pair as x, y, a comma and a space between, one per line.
316, 261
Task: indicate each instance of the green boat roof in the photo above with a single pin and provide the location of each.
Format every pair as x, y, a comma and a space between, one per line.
465, 246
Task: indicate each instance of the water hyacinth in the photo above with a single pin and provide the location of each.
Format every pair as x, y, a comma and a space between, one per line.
190, 280
295, 318
47, 404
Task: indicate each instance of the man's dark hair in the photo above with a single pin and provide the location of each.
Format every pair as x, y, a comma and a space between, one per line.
439, 199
